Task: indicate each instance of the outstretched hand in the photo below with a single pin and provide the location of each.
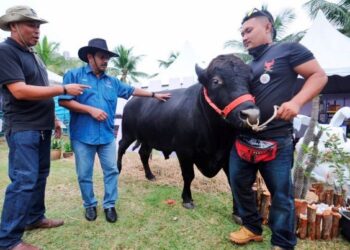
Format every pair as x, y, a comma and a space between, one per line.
162, 96
75, 88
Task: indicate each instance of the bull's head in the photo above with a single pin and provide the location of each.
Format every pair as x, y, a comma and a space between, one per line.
226, 90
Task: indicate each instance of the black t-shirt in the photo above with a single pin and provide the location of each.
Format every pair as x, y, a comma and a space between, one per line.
274, 82
19, 64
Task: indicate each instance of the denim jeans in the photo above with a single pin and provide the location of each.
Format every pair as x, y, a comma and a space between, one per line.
277, 176
29, 166
84, 161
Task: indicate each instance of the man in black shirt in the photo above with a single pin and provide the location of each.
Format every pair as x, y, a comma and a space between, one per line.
275, 68
28, 122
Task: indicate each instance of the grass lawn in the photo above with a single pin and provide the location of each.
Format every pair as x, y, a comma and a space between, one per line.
145, 220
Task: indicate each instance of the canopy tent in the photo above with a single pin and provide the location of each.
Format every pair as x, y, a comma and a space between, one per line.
332, 50
181, 73
330, 47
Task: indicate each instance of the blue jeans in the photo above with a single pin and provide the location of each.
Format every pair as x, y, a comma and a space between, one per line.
277, 176
29, 166
84, 161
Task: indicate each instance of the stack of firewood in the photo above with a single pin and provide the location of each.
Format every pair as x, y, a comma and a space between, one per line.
321, 220
316, 221
317, 218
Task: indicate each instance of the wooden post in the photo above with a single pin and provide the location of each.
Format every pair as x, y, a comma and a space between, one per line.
302, 230
300, 208
311, 221
318, 226
329, 197
265, 206
318, 187
338, 200
335, 224
326, 225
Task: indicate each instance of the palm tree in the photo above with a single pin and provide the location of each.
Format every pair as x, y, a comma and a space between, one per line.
47, 51
172, 57
281, 23
125, 65
337, 13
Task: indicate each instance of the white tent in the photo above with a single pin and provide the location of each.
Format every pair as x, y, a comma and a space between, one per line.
330, 47
180, 74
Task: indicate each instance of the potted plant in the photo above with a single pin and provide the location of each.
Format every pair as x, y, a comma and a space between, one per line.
67, 147
56, 147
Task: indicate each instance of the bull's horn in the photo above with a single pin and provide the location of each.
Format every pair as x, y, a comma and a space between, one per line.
199, 70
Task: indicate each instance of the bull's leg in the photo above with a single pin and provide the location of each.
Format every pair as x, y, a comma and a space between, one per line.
187, 171
145, 152
124, 143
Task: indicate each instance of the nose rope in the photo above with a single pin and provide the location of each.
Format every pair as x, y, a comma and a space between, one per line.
256, 127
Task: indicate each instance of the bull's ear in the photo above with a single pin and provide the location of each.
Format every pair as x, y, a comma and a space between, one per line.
201, 74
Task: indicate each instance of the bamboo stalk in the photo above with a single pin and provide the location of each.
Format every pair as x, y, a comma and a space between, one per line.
318, 226
335, 224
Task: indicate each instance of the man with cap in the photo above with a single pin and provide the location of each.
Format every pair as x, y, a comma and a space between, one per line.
28, 122
275, 68
92, 123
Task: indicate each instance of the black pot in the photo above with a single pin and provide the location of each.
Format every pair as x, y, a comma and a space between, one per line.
345, 223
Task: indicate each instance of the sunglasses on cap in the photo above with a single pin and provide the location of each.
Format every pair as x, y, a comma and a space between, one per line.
256, 13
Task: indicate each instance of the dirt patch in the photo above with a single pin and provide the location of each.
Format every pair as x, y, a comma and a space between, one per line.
168, 172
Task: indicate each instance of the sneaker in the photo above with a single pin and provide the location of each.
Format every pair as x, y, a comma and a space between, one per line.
243, 236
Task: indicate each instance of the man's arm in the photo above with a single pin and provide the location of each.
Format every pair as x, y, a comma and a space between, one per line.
77, 107
315, 80
159, 96
22, 91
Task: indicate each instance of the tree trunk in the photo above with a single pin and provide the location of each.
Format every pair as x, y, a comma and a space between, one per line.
308, 137
311, 164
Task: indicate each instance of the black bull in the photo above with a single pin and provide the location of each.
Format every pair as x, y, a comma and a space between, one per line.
188, 125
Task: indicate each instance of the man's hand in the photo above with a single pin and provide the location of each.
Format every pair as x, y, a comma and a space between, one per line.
58, 129
288, 110
98, 114
162, 96
75, 88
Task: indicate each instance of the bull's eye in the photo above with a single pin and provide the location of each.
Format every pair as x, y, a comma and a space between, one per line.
216, 81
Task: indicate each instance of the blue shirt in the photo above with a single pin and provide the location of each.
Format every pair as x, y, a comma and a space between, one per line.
103, 94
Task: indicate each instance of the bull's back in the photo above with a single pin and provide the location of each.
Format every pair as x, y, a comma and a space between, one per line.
159, 123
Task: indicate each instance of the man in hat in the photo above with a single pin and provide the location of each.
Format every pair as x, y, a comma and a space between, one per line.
92, 122
28, 122
275, 68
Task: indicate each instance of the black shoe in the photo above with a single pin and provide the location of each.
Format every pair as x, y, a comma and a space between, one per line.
111, 214
90, 213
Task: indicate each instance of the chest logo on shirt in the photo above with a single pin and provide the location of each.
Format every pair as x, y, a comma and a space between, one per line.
108, 84
265, 77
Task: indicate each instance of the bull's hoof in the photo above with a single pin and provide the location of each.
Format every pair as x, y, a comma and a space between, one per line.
151, 178
188, 205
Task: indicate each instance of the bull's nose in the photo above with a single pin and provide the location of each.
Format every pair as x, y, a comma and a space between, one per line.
251, 114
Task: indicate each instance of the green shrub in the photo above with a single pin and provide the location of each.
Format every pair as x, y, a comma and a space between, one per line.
56, 143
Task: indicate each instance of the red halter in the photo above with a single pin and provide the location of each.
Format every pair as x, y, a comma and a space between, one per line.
224, 112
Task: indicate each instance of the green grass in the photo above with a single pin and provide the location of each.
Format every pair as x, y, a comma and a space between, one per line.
145, 220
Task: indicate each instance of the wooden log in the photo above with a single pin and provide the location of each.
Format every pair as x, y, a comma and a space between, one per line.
329, 197
318, 187
335, 224
265, 206
318, 226
326, 225
302, 229
338, 200
311, 221
300, 208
